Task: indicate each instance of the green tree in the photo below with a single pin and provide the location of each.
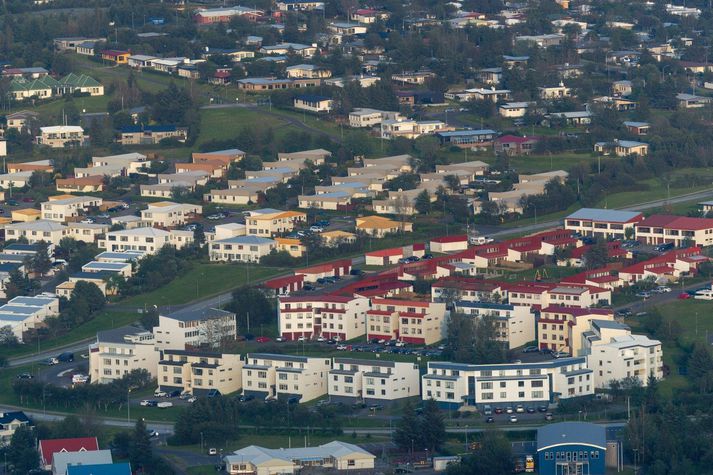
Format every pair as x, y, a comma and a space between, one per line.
408, 432
433, 427
423, 202
21, 453
140, 452
700, 368
40, 262
596, 256
251, 302
493, 458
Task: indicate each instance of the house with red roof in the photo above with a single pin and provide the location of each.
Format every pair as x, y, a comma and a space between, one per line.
328, 316
337, 268
392, 255
514, 145
411, 321
544, 294
679, 230
451, 288
667, 267
449, 243
614, 251
560, 328
606, 277
285, 285
49, 447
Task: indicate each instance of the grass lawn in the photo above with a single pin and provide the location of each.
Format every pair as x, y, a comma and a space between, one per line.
103, 321
222, 124
203, 280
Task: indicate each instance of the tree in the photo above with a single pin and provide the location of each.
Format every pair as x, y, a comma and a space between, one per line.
149, 319
452, 182
433, 428
40, 262
140, 452
700, 368
597, 255
493, 458
408, 432
423, 202
7, 337
21, 454
251, 302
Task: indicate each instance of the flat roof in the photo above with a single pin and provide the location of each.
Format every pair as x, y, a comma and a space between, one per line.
608, 215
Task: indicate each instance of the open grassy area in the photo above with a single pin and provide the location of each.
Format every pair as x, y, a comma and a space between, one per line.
203, 280
222, 124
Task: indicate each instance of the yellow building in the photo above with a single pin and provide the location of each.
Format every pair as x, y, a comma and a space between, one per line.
293, 247
25, 215
378, 226
334, 238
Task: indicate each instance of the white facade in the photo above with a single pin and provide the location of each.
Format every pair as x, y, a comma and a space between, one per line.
241, 249
36, 231
195, 328
285, 376
25, 313
198, 373
514, 324
373, 380
169, 214
119, 351
328, 316
145, 239
66, 208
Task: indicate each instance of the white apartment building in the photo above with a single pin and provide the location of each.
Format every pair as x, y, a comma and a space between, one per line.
36, 231
145, 239
113, 165
329, 316
365, 117
352, 380
26, 313
86, 232
241, 249
458, 384
66, 207
167, 214
411, 321
614, 354
560, 328
120, 351
514, 324
296, 378
269, 222
225, 231
410, 129
604, 223
199, 373
61, 136
195, 328
660, 229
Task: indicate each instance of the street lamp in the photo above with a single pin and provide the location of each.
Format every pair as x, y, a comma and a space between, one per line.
128, 405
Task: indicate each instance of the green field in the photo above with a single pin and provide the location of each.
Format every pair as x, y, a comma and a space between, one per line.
203, 280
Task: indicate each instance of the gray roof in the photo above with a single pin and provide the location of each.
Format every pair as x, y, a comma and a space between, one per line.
609, 215
61, 460
563, 433
276, 357
116, 335
496, 367
200, 314
610, 324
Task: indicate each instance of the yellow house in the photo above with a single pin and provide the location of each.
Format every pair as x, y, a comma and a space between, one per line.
26, 215
334, 238
378, 226
293, 247
272, 223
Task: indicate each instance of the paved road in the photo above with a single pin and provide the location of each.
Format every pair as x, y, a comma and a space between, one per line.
74, 347
698, 195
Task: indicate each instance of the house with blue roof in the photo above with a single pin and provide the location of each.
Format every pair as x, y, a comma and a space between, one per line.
11, 421
100, 469
603, 223
571, 448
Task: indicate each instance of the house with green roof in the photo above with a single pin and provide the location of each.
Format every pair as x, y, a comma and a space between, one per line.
72, 83
41, 88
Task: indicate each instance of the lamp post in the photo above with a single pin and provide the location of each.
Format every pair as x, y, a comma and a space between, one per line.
128, 405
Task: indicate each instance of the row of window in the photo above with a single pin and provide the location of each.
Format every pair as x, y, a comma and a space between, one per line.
572, 456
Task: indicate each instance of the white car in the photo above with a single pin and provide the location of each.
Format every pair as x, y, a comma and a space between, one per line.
341, 347
704, 294
662, 289
87, 221
212, 451
164, 404
400, 343
144, 402
301, 338
79, 378
192, 399
479, 240
159, 393
321, 339
316, 229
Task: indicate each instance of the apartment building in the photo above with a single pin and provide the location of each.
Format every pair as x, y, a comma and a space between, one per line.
119, 351
241, 249
369, 381
294, 378
64, 208
679, 230
270, 222
453, 288
26, 313
603, 223
514, 324
167, 214
86, 232
144, 239
61, 136
36, 231
113, 165
313, 103
546, 294
195, 328
560, 328
365, 117
329, 316
199, 373
615, 354
459, 384
410, 321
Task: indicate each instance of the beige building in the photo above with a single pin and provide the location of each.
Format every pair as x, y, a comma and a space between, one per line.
335, 238
195, 328
25, 215
293, 247
199, 373
411, 321
119, 351
145, 239
297, 378
679, 230
86, 232
241, 249
61, 136
355, 380
268, 223
554, 92
15, 180
560, 328
167, 214
36, 231
65, 208
377, 226
328, 316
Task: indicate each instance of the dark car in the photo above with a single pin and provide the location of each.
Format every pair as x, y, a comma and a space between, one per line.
356, 272
12, 203
427, 256
66, 357
293, 400
213, 393
24, 376
246, 398
308, 287
174, 393
531, 410
498, 410
542, 408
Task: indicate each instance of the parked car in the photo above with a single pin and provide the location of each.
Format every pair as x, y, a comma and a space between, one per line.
174, 393
520, 409
87, 221
498, 410
213, 393
65, 357
664, 247
263, 339
704, 294
548, 416
559, 354
508, 410
490, 420
513, 419
146, 402
356, 272
159, 393
662, 289
24, 376
316, 229
684, 296
531, 410
246, 398
643, 294
487, 410
542, 408
530, 349
212, 451
79, 378
152, 433
164, 404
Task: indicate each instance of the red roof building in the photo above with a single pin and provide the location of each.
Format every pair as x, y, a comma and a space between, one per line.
329, 269
514, 145
285, 285
449, 243
678, 230
50, 447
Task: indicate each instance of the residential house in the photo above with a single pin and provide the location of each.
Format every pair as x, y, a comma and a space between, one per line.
514, 324
377, 226
63, 460
87, 184
194, 328
306, 51
637, 128
199, 373
292, 246
513, 110
62, 136
338, 268
116, 56
150, 134
372, 381
20, 120
299, 5
86, 232
327, 316
208, 16
560, 328
691, 101
383, 257
36, 231
145, 239
553, 93
292, 378
120, 351
310, 71
514, 145
574, 118
15, 180
622, 148
365, 117
270, 222
22, 314
622, 88
167, 214
10, 421
313, 103
468, 138
64, 208
47, 448
454, 243
410, 321
80, 83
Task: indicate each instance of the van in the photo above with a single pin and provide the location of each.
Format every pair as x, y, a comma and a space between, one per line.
704, 294
66, 357
487, 410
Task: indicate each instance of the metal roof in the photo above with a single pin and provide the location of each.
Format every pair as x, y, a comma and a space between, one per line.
571, 433
609, 215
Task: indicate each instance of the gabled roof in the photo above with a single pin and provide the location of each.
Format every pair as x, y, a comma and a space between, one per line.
79, 80
676, 222
49, 447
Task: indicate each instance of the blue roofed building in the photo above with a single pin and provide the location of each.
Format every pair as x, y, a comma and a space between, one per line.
100, 469
604, 223
571, 448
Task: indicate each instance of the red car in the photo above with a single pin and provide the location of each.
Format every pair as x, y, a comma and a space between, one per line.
684, 296
262, 339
